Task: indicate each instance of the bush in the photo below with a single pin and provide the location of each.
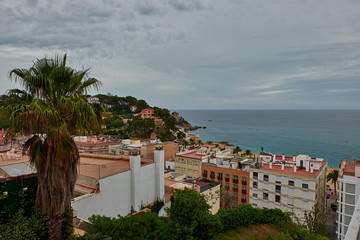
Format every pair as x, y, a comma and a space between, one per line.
245, 215
147, 226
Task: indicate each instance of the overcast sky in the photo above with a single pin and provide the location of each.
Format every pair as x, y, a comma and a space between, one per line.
200, 54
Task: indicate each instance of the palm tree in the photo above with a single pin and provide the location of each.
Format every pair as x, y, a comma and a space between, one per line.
333, 177
52, 108
248, 152
237, 149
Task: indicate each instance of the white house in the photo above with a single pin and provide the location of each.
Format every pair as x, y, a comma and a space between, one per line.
113, 185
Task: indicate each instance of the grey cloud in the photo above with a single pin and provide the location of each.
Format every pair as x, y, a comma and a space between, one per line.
187, 5
149, 8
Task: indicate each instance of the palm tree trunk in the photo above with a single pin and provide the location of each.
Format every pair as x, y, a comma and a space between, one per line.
55, 227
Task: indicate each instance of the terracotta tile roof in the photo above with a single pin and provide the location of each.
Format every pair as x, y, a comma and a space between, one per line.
349, 169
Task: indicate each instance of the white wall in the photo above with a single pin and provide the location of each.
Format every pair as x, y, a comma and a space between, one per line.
114, 198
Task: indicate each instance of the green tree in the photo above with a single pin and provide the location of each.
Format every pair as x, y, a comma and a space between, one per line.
117, 123
191, 217
247, 152
237, 149
333, 177
55, 110
315, 221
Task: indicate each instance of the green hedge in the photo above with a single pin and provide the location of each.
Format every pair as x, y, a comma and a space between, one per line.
245, 215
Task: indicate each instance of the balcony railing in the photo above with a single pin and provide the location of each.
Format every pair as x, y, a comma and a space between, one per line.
219, 178
235, 180
244, 182
227, 179
212, 176
243, 191
204, 175
235, 189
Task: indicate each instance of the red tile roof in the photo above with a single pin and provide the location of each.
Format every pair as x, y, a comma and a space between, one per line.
197, 182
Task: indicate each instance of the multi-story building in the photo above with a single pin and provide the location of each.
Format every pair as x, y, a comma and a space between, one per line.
349, 201
188, 163
292, 184
90, 144
234, 181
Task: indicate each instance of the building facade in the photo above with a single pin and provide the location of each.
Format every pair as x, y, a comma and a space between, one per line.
348, 200
234, 183
188, 163
292, 184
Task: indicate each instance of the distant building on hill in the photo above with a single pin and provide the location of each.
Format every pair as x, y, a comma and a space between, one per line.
348, 223
133, 108
292, 184
93, 99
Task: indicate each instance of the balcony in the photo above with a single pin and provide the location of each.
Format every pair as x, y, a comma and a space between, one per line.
255, 177
235, 180
243, 191
244, 182
212, 176
227, 179
219, 177
235, 189
204, 175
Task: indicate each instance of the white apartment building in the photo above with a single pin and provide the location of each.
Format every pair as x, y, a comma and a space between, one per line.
292, 184
349, 201
113, 185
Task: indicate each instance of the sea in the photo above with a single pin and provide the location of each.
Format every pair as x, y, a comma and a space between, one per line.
329, 134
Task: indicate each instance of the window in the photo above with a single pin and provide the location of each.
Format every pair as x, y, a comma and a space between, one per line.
278, 182
243, 188
278, 189
227, 185
255, 195
212, 174
255, 185
255, 175
235, 187
205, 172
243, 197
227, 175
265, 196
220, 176
266, 178
254, 204
277, 198
244, 180
304, 185
235, 177
189, 162
291, 183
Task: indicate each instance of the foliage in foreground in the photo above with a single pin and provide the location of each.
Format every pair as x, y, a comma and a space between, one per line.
190, 218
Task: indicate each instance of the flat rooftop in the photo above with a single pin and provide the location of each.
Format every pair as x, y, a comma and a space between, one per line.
290, 170
192, 155
101, 166
349, 169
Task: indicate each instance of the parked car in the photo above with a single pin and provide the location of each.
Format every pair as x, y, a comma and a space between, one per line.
334, 206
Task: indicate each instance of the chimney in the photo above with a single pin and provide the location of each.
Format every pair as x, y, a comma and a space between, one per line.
294, 158
283, 156
307, 166
262, 149
274, 157
294, 168
311, 169
282, 166
270, 164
